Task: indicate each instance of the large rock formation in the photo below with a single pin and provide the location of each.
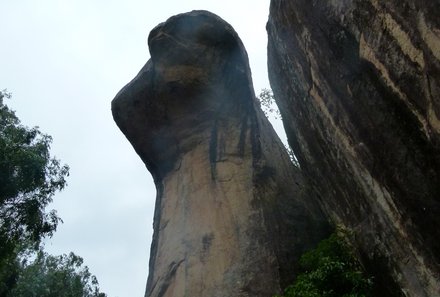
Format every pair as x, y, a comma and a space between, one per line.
231, 215
358, 85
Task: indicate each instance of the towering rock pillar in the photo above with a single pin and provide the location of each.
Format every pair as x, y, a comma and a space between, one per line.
358, 86
231, 215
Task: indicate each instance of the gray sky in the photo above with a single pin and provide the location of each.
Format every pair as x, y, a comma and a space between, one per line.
64, 61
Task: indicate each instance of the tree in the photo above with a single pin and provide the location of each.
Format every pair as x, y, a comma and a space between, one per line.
61, 276
29, 177
330, 270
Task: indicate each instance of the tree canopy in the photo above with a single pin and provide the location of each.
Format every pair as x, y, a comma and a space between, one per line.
56, 276
29, 178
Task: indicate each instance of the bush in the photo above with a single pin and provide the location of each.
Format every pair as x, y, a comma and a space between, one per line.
330, 270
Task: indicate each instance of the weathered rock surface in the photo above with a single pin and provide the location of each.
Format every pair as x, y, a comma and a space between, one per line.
231, 214
358, 85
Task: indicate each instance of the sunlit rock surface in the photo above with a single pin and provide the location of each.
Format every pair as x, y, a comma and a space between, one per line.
232, 215
357, 83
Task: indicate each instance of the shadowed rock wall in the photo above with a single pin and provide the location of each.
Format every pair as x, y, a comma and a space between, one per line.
232, 215
357, 83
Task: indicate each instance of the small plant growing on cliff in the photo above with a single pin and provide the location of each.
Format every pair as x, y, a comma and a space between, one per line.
268, 105
270, 109
330, 270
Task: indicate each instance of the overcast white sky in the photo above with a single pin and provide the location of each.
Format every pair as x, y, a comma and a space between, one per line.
64, 61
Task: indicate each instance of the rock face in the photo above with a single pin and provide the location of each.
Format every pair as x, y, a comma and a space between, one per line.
358, 85
232, 216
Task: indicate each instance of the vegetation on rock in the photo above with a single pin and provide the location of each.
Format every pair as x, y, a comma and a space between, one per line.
270, 110
268, 105
330, 270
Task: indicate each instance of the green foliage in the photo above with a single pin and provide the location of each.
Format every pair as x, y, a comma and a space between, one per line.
9, 272
50, 276
268, 105
269, 108
330, 270
29, 177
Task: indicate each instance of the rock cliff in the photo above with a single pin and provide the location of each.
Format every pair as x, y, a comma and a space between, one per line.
232, 214
358, 86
